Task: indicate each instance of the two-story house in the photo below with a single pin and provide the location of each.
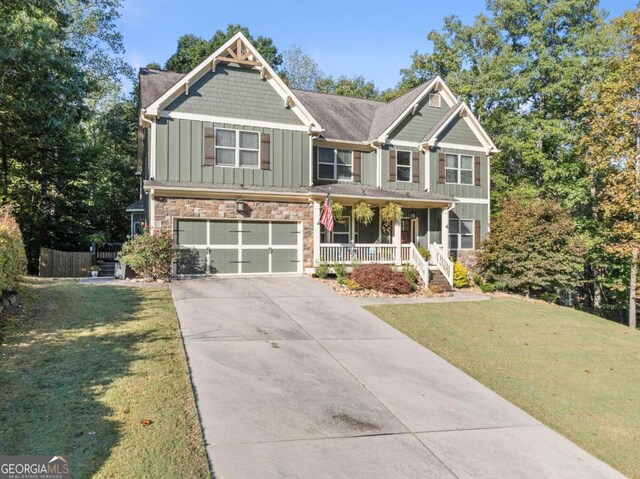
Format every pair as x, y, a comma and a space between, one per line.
238, 165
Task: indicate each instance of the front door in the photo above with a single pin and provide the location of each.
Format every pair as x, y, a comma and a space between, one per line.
405, 231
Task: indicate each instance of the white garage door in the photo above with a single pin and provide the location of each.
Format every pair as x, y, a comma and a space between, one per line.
239, 247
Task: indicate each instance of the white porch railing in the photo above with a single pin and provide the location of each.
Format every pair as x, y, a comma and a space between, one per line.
359, 253
440, 259
418, 261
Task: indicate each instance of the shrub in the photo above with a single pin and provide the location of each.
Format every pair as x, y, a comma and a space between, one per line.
436, 288
150, 254
424, 252
341, 271
13, 261
410, 272
322, 270
381, 277
351, 284
460, 275
533, 248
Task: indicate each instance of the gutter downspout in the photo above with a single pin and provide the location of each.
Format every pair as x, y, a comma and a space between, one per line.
427, 165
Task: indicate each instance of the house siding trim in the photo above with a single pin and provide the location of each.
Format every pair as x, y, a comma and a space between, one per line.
223, 119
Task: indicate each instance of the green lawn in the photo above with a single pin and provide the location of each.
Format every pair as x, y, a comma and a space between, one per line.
81, 366
575, 372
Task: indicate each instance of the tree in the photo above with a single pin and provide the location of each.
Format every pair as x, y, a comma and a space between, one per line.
612, 148
299, 70
523, 69
192, 50
533, 248
356, 87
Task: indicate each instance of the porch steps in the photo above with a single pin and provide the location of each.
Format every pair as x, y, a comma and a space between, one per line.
107, 268
436, 277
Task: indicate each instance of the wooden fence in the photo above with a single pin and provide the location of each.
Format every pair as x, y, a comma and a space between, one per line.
64, 264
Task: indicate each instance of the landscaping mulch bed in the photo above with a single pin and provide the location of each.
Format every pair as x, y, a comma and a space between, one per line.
420, 292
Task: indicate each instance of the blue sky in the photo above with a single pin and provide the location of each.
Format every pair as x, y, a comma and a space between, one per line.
375, 39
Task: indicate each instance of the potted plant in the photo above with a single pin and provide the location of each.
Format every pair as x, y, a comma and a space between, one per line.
363, 213
391, 212
95, 270
338, 211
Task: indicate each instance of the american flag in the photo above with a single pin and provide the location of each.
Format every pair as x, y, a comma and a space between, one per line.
326, 218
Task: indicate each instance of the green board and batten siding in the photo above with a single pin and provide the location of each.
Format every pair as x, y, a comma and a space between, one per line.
179, 156
459, 133
235, 93
414, 127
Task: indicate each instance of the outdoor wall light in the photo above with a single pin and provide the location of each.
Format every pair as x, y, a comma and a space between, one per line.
412, 215
240, 206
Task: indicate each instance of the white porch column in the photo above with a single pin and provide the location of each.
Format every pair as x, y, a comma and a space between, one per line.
397, 240
445, 231
316, 233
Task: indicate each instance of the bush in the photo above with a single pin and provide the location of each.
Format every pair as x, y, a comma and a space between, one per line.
460, 275
13, 261
533, 248
410, 272
341, 271
150, 254
381, 277
436, 288
322, 270
351, 284
424, 252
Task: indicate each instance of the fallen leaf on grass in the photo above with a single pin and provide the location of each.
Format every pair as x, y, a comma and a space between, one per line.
146, 422
587, 371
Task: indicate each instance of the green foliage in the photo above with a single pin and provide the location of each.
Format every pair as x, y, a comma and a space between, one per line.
338, 211
533, 248
424, 252
410, 272
363, 213
98, 238
460, 275
150, 254
356, 87
351, 284
13, 261
192, 50
322, 270
391, 212
341, 271
299, 70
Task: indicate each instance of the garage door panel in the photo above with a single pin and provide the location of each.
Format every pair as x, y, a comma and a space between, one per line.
255, 233
192, 261
223, 261
285, 234
223, 232
191, 232
284, 261
255, 261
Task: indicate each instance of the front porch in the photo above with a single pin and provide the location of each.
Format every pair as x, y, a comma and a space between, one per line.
424, 226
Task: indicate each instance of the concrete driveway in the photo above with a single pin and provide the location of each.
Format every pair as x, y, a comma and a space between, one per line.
295, 381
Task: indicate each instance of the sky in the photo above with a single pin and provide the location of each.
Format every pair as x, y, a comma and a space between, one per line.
370, 38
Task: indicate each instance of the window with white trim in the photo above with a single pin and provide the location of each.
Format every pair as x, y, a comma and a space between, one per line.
334, 164
403, 166
341, 231
237, 148
460, 234
459, 169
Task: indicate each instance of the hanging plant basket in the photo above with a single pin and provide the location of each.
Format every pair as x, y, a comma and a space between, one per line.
391, 212
363, 213
338, 212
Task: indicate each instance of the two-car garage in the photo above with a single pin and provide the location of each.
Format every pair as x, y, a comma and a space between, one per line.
238, 246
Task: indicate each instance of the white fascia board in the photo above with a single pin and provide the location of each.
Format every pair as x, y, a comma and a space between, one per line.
236, 121
449, 98
274, 80
473, 124
477, 201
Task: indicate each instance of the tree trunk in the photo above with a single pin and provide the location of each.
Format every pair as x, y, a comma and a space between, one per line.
633, 285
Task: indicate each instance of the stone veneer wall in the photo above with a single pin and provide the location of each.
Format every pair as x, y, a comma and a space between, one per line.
168, 208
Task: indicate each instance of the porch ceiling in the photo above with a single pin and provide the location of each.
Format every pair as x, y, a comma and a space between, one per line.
372, 195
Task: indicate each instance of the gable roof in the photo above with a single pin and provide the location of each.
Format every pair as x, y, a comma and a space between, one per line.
441, 123
251, 57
